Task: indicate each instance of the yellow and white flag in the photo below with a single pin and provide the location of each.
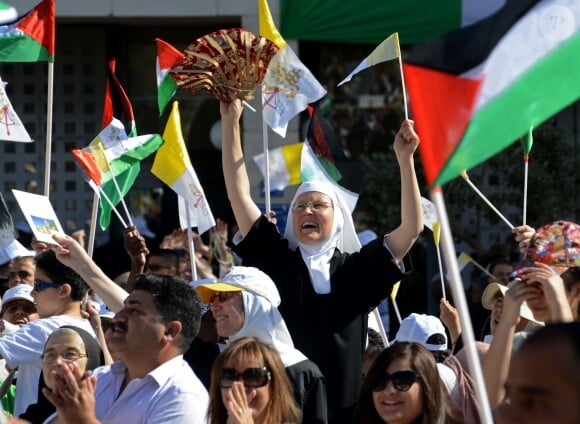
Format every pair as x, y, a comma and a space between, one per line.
289, 85
11, 127
284, 165
388, 50
173, 167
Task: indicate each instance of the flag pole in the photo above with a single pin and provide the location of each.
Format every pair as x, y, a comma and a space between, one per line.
190, 242
116, 187
266, 167
381, 326
436, 238
461, 304
525, 209
97, 188
48, 145
485, 199
406, 107
93, 225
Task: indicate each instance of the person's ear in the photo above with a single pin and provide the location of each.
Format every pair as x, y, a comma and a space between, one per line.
65, 290
172, 330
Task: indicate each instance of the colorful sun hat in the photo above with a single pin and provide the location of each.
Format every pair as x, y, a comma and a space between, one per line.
557, 245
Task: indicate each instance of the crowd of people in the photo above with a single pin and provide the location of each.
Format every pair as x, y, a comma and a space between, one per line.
268, 327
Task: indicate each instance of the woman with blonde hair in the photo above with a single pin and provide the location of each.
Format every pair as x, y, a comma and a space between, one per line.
249, 385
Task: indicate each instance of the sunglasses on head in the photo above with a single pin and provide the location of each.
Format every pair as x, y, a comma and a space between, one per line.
402, 380
221, 296
40, 285
252, 377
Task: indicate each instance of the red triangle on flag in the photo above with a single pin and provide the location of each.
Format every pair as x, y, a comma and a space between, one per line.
39, 24
442, 107
168, 55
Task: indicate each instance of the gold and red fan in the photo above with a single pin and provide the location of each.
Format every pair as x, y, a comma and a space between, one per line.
233, 60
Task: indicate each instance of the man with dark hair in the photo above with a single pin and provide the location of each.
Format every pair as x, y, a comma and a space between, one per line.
152, 328
58, 292
163, 262
543, 384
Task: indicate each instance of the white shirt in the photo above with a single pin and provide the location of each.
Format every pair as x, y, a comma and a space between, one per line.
171, 393
23, 348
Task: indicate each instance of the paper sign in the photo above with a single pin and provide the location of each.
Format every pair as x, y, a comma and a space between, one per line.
39, 214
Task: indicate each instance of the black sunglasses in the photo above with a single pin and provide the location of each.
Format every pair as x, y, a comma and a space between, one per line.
105, 325
402, 380
40, 285
221, 296
252, 377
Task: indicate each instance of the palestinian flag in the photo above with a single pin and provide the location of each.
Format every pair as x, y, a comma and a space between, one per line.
31, 38
8, 13
324, 143
167, 57
114, 155
117, 115
477, 90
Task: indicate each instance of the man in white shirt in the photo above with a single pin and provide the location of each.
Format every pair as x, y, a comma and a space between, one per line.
151, 383
58, 292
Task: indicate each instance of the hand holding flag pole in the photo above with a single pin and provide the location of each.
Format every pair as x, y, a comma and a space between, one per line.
485, 199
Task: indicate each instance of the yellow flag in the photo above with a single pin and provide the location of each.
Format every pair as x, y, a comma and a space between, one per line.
395, 290
267, 27
436, 232
463, 260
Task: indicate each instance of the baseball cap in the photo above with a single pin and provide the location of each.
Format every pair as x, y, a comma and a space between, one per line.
557, 245
105, 312
12, 250
491, 292
417, 328
18, 292
242, 278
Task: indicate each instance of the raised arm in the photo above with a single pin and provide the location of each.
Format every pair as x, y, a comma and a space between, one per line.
70, 253
245, 210
402, 238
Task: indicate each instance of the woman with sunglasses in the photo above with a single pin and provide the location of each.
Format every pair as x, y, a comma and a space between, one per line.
249, 385
327, 282
403, 386
70, 347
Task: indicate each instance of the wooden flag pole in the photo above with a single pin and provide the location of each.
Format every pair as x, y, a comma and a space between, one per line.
462, 308
48, 144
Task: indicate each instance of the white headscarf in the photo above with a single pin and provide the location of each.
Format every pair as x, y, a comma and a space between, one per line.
343, 236
262, 320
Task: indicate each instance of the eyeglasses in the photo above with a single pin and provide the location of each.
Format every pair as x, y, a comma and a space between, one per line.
317, 205
157, 267
252, 377
40, 285
402, 380
69, 356
221, 296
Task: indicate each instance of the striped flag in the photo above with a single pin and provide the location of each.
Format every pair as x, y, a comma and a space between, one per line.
173, 166
167, 57
388, 50
492, 81
31, 38
284, 165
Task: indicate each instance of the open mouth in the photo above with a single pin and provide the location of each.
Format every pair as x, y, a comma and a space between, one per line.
309, 225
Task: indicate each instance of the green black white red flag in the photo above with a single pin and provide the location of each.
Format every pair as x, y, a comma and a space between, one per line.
476, 90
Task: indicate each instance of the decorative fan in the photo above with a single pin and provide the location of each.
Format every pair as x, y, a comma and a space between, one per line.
227, 60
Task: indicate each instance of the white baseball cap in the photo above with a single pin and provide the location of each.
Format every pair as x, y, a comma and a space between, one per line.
18, 292
417, 328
